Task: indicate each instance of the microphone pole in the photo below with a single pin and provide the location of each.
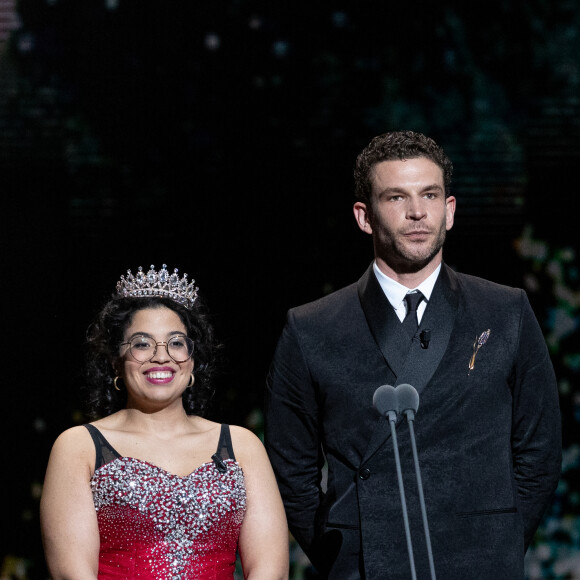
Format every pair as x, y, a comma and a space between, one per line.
385, 401
408, 404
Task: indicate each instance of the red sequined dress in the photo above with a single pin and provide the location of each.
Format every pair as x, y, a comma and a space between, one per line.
156, 525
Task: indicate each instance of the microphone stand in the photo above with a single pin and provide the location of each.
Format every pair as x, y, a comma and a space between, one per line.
392, 416
410, 414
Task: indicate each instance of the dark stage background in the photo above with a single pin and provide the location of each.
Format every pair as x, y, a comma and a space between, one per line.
219, 137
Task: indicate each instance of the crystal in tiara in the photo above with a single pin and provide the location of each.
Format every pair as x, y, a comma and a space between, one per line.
160, 283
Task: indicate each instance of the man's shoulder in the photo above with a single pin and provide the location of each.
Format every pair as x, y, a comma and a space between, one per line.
335, 304
484, 289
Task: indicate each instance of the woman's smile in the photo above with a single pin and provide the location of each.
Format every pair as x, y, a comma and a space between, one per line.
159, 375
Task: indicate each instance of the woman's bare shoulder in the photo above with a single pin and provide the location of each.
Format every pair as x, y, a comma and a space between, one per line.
248, 447
244, 435
74, 447
74, 437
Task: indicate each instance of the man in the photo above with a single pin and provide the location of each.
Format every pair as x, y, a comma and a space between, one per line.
488, 427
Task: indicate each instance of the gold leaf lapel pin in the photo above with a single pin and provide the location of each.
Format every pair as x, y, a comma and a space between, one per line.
479, 342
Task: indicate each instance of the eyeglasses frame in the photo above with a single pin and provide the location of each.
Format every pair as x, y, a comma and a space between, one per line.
165, 343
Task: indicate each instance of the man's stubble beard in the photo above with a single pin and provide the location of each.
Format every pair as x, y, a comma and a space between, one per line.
397, 256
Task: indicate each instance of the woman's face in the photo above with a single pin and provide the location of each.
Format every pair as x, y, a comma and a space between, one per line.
160, 381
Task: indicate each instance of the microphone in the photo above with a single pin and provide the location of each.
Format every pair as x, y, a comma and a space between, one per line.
407, 400
408, 404
425, 338
385, 402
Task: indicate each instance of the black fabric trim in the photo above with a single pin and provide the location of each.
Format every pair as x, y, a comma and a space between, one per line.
105, 452
224, 450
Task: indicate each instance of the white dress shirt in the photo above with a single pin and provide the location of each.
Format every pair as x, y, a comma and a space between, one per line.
396, 292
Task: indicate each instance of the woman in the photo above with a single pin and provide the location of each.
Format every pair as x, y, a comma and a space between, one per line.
152, 489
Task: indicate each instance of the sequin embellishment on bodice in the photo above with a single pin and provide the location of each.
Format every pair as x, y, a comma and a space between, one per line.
156, 525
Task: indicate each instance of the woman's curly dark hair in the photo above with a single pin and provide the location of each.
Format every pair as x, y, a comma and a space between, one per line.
105, 336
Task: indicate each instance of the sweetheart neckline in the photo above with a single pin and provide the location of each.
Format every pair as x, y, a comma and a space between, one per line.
145, 462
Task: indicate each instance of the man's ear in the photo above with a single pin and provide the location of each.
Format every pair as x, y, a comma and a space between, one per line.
362, 217
449, 212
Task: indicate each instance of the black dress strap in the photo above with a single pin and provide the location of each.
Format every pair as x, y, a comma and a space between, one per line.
105, 453
225, 449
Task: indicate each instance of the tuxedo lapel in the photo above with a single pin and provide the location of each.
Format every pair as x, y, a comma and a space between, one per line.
439, 318
382, 320
420, 363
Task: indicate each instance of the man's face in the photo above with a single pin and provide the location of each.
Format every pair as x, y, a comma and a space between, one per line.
408, 215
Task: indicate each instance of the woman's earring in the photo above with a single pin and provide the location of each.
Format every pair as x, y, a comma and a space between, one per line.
115, 383
191, 381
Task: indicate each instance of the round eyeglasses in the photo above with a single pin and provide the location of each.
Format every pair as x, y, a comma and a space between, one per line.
143, 348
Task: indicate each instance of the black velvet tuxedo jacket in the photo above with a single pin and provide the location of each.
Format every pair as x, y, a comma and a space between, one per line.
489, 440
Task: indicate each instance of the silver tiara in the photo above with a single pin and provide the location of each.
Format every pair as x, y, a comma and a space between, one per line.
160, 283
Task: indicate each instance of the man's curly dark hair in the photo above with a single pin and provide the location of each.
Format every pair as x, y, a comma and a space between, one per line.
105, 336
395, 146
